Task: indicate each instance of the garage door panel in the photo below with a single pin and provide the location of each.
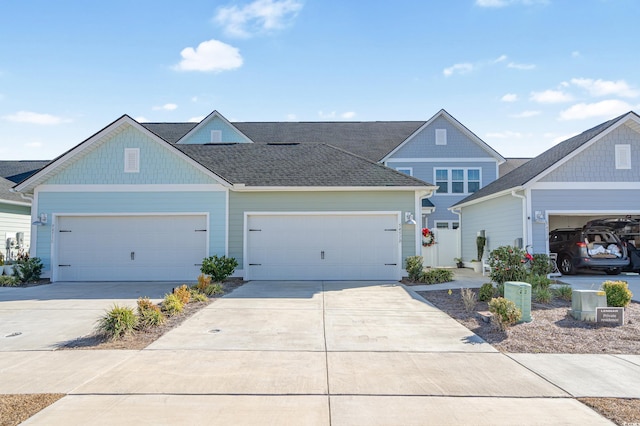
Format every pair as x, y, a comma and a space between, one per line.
331, 247
121, 248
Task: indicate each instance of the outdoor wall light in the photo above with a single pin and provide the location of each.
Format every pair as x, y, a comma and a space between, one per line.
42, 220
408, 218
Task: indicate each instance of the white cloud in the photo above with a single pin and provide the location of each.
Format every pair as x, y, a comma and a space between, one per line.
458, 69
291, 117
501, 58
509, 97
551, 97
348, 114
526, 114
606, 109
142, 119
196, 119
605, 88
35, 118
211, 55
34, 145
524, 67
165, 107
333, 115
507, 134
260, 16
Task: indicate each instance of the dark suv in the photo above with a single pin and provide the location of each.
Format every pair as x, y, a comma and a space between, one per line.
593, 246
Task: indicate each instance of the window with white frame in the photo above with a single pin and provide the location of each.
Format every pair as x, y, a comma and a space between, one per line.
623, 157
132, 160
405, 170
446, 224
457, 180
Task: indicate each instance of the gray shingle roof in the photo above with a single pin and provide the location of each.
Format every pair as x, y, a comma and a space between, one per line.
369, 139
17, 171
511, 164
526, 172
6, 194
294, 165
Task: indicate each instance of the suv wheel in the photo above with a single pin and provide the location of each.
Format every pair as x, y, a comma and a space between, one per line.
613, 271
566, 267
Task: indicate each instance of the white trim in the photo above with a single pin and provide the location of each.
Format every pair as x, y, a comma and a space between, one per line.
226, 224
245, 236
485, 198
206, 120
585, 185
132, 188
465, 180
448, 222
409, 169
459, 126
132, 160
623, 156
107, 132
528, 216
15, 203
442, 160
591, 212
56, 216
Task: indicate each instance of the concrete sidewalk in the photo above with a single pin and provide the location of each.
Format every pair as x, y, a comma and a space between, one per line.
338, 353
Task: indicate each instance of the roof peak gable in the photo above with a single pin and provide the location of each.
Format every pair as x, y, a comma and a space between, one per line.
214, 128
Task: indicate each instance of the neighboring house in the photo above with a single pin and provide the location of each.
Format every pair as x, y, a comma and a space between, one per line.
150, 201
15, 211
594, 174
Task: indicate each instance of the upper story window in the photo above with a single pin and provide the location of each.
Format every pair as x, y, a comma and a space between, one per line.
132, 160
457, 181
623, 157
441, 136
405, 170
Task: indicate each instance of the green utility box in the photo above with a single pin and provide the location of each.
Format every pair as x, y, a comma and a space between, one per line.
520, 294
585, 302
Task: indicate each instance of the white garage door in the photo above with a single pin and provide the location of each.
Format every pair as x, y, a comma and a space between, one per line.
130, 248
323, 247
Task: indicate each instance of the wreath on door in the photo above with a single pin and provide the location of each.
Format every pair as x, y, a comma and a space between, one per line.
428, 239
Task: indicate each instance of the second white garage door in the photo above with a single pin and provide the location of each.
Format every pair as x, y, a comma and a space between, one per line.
323, 247
130, 248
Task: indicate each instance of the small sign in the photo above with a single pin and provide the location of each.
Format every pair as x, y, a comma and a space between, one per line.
613, 316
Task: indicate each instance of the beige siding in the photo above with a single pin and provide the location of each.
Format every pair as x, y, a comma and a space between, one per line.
501, 218
241, 202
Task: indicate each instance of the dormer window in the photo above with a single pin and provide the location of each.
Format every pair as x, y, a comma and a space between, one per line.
216, 136
441, 136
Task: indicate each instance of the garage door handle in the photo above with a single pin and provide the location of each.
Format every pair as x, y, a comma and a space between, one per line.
63, 265
322, 255
390, 264
133, 255
255, 264
391, 229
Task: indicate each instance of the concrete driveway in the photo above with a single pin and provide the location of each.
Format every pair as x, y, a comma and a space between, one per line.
291, 353
46, 316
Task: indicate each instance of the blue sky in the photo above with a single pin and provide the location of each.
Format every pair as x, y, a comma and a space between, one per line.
521, 74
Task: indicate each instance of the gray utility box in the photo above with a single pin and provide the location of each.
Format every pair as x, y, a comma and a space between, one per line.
585, 302
520, 294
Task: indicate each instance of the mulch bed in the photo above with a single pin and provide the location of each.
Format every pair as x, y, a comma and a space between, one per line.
14, 409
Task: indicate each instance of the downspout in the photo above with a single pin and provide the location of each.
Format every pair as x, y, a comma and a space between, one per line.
525, 239
458, 212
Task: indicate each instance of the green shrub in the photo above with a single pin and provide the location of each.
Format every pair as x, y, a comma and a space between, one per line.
8, 281
414, 267
436, 276
183, 293
538, 281
486, 292
506, 264
540, 265
618, 293
220, 268
28, 270
214, 290
117, 322
172, 305
563, 292
149, 314
542, 295
469, 299
505, 312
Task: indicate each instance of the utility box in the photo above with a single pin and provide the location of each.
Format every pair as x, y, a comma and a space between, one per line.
585, 302
520, 294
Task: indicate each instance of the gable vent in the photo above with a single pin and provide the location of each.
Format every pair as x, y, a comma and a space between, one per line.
216, 136
441, 136
132, 160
